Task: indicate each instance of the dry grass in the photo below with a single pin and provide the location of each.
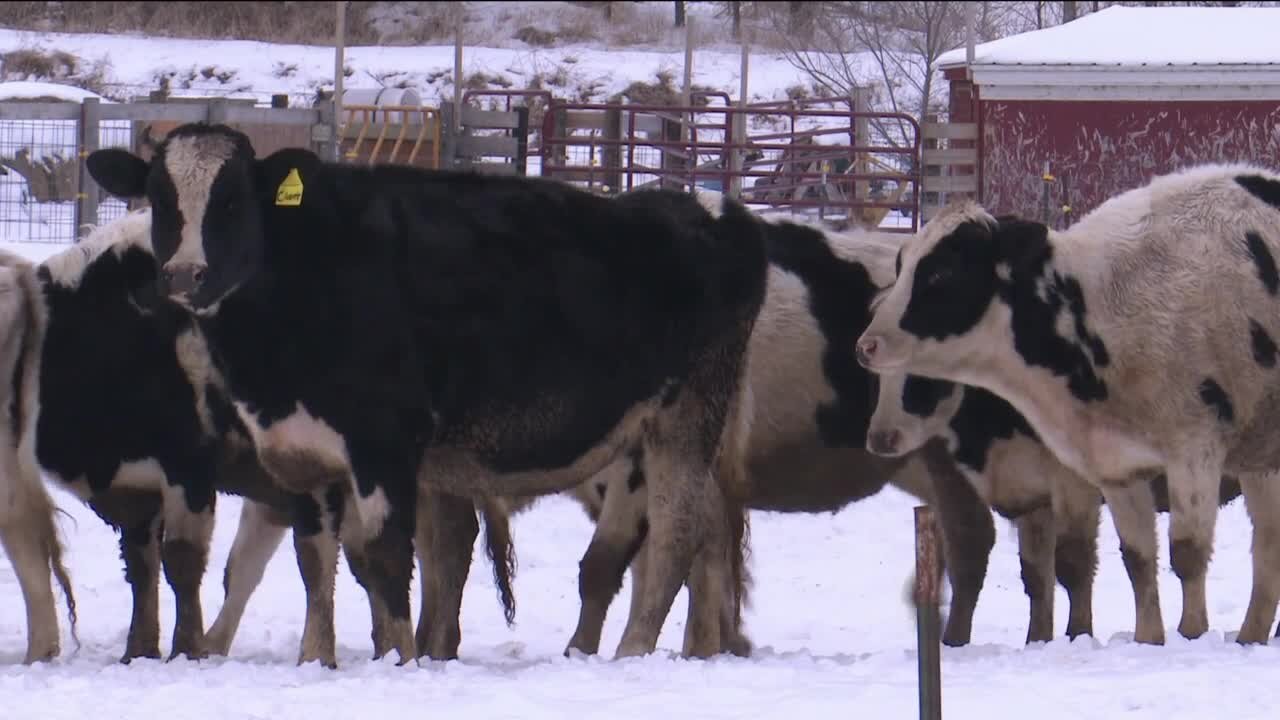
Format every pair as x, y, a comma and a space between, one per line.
304, 23
54, 66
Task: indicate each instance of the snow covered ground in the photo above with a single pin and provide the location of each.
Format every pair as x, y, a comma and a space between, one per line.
833, 639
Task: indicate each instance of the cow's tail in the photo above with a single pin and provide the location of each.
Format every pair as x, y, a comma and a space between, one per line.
501, 551
24, 415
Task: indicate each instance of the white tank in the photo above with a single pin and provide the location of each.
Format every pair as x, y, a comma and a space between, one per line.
386, 96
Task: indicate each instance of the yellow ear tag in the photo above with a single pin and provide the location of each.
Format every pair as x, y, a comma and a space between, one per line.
289, 194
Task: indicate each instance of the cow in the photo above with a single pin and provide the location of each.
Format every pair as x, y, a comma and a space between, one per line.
119, 403
392, 329
28, 532
1141, 340
806, 446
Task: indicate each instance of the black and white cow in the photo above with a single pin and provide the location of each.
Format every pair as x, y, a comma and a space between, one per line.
28, 533
388, 327
806, 447
1140, 340
118, 402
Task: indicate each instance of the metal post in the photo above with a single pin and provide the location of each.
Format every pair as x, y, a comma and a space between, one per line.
339, 74
686, 92
928, 623
87, 196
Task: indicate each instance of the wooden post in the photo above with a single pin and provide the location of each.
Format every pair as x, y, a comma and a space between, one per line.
738, 124
686, 92
928, 623
457, 72
862, 136
339, 75
448, 135
87, 193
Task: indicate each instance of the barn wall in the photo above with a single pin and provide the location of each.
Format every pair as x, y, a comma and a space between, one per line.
1099, 149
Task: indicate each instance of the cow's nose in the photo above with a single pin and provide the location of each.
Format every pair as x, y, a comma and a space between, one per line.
866, 350
184, 278
884, 442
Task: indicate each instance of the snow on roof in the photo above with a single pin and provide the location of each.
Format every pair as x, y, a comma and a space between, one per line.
23, 90
1141, 36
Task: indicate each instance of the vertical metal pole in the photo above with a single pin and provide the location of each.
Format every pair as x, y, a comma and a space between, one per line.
339, 74
928, 623
87, 198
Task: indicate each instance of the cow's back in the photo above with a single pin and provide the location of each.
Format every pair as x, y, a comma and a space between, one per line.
477, 299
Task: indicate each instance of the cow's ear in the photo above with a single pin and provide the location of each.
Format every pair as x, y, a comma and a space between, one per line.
1023, 243
119, 172
283, 176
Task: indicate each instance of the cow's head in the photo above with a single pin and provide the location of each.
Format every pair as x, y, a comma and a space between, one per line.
910, 411
941, 313
209, 196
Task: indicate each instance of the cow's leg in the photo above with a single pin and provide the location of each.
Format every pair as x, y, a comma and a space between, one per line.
1036, 541
355, 547
1076, 507
426, 577
620, 531
453, 529
968, 535
315, 541
140, 549
710, 586
1194, 487
684, 506
1133, 511
1262, 499
259, 534
188, 529
28, 538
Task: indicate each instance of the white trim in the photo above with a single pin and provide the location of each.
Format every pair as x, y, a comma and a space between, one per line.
1219, 93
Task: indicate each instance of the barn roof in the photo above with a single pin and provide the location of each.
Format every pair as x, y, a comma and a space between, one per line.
1141, 37
1207, 53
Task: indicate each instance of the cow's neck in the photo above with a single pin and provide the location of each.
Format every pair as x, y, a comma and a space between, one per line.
1067, 406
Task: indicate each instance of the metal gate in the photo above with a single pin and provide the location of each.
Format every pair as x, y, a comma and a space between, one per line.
830, 161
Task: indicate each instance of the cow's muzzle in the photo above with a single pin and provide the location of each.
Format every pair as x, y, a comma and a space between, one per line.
182, 280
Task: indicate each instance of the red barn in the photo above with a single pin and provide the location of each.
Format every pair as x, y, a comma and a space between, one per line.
1113, 98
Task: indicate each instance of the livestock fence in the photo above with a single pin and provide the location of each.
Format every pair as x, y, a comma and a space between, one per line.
828, 157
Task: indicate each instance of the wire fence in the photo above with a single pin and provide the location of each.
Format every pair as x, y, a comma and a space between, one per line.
38, 196
46, 198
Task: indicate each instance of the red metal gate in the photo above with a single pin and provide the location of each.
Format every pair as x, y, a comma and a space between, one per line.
832, 161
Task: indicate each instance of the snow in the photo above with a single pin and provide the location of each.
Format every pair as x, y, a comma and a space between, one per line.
237, 68
1141, 36
25, 89
833, 638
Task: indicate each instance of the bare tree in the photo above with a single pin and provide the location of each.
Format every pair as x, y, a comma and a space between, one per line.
1069, 10
679, 13
893, 47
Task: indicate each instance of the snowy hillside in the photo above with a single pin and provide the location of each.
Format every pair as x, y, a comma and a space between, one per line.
127, 66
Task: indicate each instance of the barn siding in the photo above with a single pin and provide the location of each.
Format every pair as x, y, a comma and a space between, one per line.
1103, 148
